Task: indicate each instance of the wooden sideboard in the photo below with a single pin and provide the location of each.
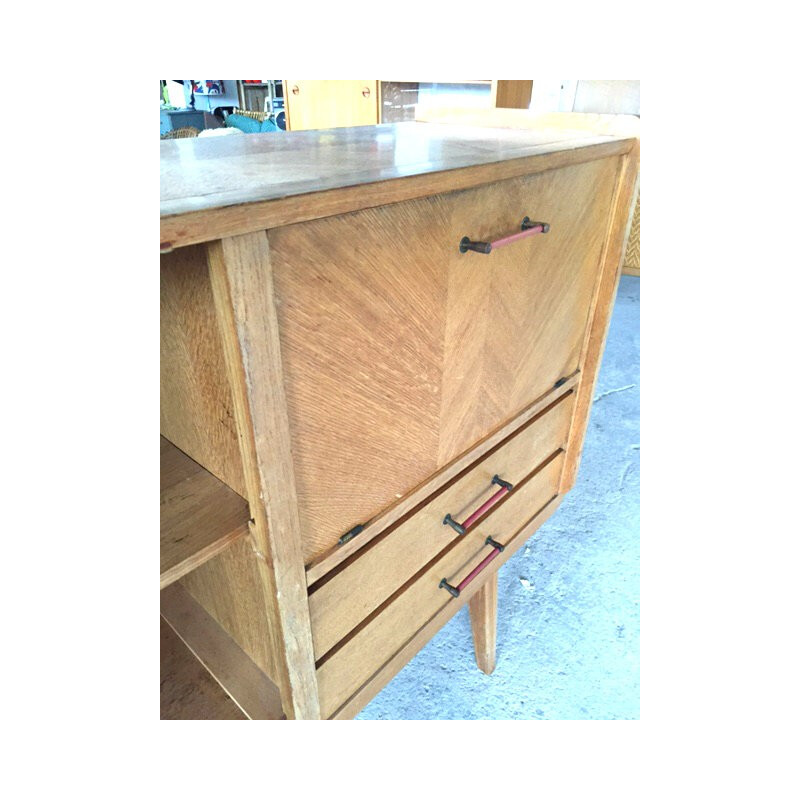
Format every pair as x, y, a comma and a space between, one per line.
379, 346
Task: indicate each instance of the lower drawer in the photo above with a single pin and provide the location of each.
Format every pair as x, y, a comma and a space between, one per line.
352, 663
340, 602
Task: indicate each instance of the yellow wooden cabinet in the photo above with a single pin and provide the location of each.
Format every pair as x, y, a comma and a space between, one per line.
330, 104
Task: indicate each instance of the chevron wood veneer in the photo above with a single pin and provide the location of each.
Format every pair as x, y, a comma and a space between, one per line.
471, 339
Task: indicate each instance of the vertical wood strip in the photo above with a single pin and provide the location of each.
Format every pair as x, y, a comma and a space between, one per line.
600, 314
511, 94
483, 618
241, 280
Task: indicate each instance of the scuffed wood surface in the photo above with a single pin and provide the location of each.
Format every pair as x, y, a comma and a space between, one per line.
223, 186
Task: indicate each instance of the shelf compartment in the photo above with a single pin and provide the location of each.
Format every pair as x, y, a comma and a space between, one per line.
187, 689
249, 688
200, 515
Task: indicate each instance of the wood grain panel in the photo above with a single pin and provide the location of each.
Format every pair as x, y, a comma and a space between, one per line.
383, 567
349, 667
196, 405
516, 317
434, 483
361, 305
229, 588
200, 515
471, 339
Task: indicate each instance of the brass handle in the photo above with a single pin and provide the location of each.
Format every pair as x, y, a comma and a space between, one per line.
365, 92
295, 89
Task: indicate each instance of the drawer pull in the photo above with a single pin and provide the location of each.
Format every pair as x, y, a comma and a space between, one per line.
528, 228
456, 590
456, 526
462, 527
351, 534
443, 584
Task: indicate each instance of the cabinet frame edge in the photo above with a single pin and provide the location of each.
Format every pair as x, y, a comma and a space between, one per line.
242, 286
611, 259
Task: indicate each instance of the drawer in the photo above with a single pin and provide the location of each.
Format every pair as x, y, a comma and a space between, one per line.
349, 666
341, 601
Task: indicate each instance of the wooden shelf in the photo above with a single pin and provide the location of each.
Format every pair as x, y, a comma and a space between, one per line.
200, 515
186, 693
187, 689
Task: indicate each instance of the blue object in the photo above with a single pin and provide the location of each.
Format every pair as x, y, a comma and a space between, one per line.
250, 125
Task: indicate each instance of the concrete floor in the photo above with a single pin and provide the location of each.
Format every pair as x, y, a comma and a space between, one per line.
568, 606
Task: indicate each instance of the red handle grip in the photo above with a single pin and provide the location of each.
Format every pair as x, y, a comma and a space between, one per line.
456, 590
462, 527
529, 228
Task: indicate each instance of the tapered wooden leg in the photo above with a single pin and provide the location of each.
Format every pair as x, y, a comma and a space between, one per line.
483, 616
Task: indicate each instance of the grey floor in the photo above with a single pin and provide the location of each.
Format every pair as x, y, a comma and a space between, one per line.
568, 605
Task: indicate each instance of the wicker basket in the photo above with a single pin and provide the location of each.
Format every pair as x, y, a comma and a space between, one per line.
631, 264
259, 115
181, 133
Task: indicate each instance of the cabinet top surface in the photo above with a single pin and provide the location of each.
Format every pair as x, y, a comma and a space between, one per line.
203, 174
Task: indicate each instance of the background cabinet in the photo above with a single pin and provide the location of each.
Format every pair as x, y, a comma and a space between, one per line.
340, 104
330, 104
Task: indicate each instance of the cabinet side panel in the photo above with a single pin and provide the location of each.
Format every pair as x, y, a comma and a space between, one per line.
229, 588
616, 235
196, 406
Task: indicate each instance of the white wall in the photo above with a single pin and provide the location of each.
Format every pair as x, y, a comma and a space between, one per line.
552, 94
607, 97
598, 97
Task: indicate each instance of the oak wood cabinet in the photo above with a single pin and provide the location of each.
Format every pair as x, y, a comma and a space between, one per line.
378, 352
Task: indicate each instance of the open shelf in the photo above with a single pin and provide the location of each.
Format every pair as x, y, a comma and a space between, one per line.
200, 515
185, 691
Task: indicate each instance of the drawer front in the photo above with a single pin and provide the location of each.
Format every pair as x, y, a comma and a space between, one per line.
350, 666
338, 604
400, 352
